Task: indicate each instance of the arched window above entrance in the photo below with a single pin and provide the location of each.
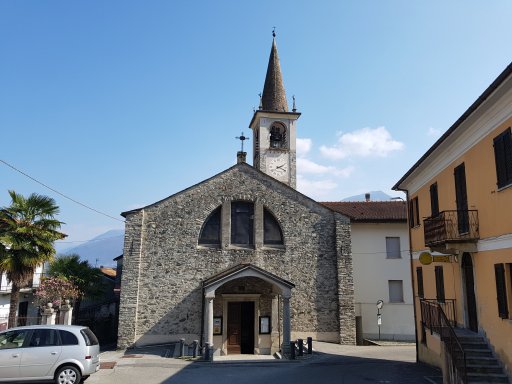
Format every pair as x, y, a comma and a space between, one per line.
273, 235
210, 233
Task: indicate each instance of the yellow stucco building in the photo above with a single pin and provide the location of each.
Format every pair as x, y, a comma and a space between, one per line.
460, 217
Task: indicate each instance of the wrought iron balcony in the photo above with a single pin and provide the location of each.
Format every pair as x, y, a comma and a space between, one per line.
451, 227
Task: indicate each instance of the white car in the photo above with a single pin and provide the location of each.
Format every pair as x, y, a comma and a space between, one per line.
66, 354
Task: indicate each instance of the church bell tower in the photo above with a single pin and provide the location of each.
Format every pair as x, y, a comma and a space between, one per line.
274, 127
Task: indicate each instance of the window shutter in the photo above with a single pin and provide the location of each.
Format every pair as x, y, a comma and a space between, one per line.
411, 214
439, 283
419, 277
507, 143
461, 199
503, 158
501, 292
393, 248
434, 201
396, 291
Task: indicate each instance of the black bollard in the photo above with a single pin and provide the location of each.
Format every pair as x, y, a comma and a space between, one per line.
195, 346
300, 346
182, 347
310, 345
292, 350
207, 351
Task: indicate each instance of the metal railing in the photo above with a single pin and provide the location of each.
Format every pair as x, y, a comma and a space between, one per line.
451, 226
434, 317
430, 316
453, 348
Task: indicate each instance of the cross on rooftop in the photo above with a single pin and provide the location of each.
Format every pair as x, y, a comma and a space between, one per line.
242, 138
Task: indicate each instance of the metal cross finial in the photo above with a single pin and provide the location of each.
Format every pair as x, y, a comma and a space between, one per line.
294, 108
273, 31
242, 138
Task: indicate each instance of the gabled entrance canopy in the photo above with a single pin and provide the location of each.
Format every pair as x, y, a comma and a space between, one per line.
283, 287
280, 286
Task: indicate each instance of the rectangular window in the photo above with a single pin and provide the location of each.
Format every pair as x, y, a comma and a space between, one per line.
393, 248
434, 201
439, 284
396, 291
503, 158
242, 223
419, 278
414, 213
501, 290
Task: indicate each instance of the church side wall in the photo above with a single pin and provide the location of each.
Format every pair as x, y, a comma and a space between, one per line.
347, 315
174, 266
128, 307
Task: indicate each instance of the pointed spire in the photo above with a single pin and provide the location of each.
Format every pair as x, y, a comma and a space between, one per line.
274, 95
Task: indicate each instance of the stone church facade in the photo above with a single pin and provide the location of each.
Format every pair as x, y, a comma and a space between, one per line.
242, 260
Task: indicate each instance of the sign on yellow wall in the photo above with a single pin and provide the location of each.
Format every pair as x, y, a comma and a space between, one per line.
427, 258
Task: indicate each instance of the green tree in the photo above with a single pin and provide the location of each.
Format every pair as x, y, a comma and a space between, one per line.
87, 279
28, 229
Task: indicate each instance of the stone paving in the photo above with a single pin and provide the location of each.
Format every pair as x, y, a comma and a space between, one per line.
329, 363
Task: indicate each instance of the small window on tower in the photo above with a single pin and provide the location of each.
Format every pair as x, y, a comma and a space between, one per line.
277, 135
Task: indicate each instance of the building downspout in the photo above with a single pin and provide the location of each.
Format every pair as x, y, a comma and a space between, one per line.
412, 270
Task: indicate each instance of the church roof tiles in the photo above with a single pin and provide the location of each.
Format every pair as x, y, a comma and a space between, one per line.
371, 211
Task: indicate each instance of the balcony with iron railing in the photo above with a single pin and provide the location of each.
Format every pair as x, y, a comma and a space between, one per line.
450, 227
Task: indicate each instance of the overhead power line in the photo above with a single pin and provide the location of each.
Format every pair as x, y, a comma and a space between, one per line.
88, 241
59, 193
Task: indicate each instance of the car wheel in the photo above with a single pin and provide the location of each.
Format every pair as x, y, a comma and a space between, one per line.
68, 375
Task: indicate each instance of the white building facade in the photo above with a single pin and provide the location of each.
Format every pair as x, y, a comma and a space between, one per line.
27, 312
381, 267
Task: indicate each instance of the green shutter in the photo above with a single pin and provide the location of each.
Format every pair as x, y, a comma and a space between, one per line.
501, 291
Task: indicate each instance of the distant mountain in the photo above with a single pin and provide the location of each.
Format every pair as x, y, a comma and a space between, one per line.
101, 250
374, 196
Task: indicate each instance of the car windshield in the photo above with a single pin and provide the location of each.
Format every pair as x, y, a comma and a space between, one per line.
89, 337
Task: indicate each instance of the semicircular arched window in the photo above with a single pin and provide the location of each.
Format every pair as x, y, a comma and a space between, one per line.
272, 233
210, 233
278, 135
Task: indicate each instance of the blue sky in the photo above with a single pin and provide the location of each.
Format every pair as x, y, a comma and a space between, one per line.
118, 104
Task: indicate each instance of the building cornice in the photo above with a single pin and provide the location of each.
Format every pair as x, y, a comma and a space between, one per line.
490, 110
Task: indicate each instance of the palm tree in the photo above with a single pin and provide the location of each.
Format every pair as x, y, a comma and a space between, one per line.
28, 229
86, 278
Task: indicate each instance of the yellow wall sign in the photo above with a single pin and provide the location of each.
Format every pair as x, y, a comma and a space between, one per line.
425, 258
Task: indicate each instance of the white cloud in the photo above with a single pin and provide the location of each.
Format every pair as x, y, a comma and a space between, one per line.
364, 142
316, 189
303, 146
308, 166
433, 132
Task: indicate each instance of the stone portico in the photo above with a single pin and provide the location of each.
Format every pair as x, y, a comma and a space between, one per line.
268, 341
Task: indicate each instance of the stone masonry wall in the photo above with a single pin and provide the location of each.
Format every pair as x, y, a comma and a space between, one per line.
163, 270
